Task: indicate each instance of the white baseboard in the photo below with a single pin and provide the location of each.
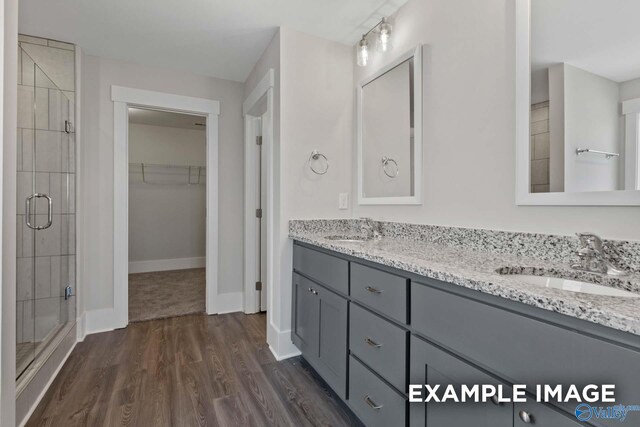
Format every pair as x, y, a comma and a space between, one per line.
166, 264
280, 343
81, 327
229, 303
101, 320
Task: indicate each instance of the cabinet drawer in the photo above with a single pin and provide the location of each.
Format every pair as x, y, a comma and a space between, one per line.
328, 270
380, 344
382, 291
517, 347
373, 401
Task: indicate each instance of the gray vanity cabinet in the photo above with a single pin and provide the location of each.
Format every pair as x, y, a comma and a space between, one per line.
431, 365
385, 327
332, 339
305, 315
319, 330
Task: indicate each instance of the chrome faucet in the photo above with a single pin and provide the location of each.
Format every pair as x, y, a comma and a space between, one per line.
369, 229
592, 258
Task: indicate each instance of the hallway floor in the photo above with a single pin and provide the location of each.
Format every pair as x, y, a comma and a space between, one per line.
161, 294
192, 370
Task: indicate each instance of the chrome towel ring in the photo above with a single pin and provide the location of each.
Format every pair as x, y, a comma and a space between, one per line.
385, 163
315, 156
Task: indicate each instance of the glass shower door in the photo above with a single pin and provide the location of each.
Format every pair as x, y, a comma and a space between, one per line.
46, 243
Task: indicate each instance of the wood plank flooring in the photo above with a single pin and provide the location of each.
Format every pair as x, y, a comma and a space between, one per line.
160, 294
194, 370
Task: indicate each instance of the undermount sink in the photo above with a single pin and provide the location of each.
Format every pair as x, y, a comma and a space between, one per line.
575, 286
352, 239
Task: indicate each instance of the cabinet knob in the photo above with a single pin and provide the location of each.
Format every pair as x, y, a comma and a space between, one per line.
525, 417
373, 290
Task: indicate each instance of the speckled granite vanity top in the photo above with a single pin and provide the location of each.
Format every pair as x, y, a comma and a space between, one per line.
488, 261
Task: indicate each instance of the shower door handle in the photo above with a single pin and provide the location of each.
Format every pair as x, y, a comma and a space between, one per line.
49, 211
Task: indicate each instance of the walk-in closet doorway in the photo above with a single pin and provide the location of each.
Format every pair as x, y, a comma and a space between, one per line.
203, 111
167, 214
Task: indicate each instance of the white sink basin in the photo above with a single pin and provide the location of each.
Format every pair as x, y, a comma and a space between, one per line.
576, 286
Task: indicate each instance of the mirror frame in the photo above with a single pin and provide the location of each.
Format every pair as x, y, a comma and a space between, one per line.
523, 101
416, 199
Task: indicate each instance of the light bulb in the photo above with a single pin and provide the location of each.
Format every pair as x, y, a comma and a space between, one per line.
362, 54
384, 36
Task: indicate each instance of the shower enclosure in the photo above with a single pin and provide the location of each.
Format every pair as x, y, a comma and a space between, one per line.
45, 213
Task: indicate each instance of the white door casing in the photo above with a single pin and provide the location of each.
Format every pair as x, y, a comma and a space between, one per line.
123, 98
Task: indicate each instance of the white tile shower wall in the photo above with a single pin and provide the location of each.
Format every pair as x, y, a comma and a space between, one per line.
53, 267
540, 147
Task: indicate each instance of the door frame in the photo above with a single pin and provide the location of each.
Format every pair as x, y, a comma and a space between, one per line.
123, 98
263, 89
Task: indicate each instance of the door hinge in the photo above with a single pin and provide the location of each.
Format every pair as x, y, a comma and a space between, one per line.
258, 213
258, 140
258, 286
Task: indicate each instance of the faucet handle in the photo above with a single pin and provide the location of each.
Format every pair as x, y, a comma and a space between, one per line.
590, 240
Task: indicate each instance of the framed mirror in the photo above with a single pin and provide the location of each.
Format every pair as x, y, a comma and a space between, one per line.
389, 127
577, 102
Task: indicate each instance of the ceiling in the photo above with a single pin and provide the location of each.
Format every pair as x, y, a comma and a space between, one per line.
166, 118
218, 38
600, 36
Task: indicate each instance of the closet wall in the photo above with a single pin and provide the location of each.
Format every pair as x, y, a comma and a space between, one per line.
166, 214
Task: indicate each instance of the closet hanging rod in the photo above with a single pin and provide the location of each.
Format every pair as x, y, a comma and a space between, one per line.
145, 164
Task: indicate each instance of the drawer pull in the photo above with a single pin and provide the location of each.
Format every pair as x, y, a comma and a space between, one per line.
495, 400
525, 417
373, 290
371, 403
372, 343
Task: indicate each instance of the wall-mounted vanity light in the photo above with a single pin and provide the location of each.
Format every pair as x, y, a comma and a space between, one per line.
383, 29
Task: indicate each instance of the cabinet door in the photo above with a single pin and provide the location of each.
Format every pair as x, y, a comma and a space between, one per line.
332, 341
431, 365
536, 414
306, 315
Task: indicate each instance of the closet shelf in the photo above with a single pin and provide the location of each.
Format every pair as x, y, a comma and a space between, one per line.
169, 174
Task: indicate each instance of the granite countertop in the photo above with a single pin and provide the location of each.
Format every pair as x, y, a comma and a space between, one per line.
477, 270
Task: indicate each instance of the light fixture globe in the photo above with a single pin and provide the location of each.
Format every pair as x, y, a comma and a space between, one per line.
362, 54
384, 35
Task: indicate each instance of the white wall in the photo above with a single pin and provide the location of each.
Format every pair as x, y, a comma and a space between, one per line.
591, 120
97, 164
165, 145
166, 222
469, 122
317, 112
314, 109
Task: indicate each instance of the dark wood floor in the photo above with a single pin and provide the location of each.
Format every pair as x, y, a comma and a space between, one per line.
193, 370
